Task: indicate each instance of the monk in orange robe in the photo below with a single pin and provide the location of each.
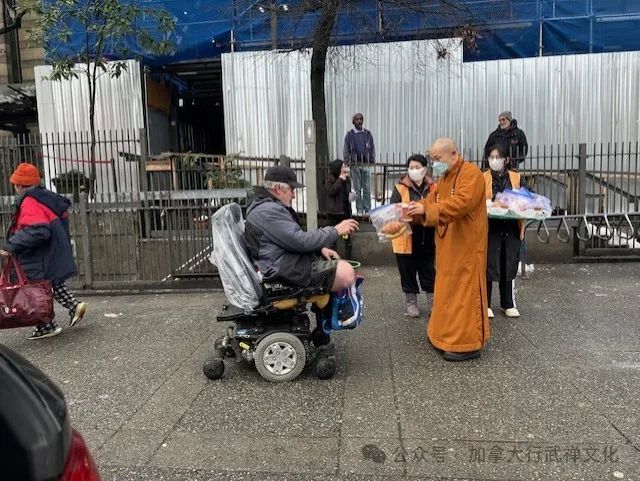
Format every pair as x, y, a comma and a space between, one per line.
459, 323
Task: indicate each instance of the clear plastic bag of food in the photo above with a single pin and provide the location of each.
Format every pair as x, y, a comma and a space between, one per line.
520, 203
388, 222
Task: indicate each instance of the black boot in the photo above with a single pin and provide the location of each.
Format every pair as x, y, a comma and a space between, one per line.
324, 361
318, 336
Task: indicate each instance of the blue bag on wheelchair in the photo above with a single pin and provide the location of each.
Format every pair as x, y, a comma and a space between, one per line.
346, 309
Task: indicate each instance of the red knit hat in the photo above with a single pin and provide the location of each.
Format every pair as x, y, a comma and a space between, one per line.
25, 175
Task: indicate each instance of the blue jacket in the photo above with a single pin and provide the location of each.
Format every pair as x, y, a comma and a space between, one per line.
276, 242
359, 148
39, 235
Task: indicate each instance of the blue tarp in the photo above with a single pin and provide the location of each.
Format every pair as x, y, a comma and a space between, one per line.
507, 29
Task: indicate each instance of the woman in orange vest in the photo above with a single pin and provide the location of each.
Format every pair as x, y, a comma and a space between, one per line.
503, 251
415, 252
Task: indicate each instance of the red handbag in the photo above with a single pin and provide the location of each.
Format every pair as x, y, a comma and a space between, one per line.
25, 303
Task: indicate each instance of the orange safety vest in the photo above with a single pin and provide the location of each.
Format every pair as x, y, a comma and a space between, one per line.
514, 178
403, 244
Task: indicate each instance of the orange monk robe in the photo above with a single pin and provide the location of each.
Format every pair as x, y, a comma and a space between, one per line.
457, 208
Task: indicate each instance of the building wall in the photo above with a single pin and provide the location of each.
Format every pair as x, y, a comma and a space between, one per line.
30, 55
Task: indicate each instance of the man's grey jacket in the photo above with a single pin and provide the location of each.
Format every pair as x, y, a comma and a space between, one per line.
276, 242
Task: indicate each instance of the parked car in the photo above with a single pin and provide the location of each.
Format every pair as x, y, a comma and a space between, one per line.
37, 442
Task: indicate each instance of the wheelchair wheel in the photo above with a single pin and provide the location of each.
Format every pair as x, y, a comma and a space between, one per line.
213, 368
280, 357
325, 368
325, 362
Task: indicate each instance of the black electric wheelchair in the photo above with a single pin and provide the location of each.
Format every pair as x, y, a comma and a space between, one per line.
276, 335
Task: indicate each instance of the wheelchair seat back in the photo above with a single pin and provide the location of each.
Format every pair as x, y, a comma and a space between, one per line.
240, 280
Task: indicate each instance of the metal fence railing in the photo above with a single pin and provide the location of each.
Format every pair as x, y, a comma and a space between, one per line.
136, 217
611, 175
595, 187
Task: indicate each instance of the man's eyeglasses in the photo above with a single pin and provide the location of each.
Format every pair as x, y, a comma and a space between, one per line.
502, 119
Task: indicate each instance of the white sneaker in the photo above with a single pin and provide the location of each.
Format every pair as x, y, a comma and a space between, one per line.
512, 312
78, 313
491, 313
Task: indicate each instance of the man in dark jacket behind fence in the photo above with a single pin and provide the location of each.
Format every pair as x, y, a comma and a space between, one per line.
39, 237
511, 137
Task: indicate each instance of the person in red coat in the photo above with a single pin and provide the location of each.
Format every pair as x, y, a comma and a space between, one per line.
39, 237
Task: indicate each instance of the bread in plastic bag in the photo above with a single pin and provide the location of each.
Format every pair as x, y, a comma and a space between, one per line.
387, 220
519, 204
240, 279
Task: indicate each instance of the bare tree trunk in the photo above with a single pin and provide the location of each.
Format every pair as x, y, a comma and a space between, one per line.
328, 16
92, 152
92, 130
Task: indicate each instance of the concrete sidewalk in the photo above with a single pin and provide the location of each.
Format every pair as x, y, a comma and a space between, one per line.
554, 396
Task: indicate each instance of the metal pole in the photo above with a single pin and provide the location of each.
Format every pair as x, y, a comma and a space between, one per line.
540, 29
86, 241
144, 156
579, 245
274, 26
233, 26
582, 178
310, 169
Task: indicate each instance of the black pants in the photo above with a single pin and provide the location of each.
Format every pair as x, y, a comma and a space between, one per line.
507, 292
318, 336
335, 220
419, 264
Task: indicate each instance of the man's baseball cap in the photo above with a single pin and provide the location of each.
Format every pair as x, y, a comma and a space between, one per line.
284, 174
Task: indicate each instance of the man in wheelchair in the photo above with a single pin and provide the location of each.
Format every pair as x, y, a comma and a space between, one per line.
284, 252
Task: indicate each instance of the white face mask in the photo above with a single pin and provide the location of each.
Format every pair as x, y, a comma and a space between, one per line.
417, 175
496, 164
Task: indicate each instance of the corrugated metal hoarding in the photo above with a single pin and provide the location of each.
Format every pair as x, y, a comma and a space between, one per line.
409, 97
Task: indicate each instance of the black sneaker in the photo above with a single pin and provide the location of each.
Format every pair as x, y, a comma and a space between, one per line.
48, 330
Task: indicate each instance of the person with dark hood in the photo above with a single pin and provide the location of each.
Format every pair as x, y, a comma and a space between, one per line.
415, 252
339, 197
39, 237
503, 250
511, 137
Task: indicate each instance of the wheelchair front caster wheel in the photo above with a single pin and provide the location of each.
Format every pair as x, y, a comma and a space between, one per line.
325, 368
213, 368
